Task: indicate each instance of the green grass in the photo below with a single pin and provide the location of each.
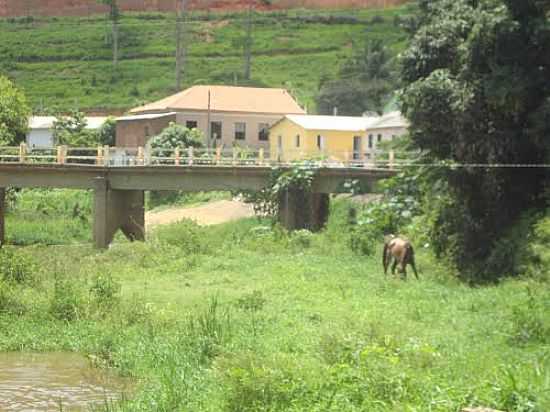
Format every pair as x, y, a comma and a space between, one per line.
244, 317
61, 63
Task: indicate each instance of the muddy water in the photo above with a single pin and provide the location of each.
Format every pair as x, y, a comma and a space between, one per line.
41, 382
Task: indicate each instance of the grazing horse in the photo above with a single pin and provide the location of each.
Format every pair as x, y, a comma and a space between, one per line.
401, 251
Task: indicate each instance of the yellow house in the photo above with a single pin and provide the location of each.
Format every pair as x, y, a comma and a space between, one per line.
337, 138
340, 138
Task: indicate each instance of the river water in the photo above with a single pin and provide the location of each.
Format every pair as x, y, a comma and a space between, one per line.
44, 381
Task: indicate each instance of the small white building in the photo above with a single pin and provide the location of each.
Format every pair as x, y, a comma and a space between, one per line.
40, 133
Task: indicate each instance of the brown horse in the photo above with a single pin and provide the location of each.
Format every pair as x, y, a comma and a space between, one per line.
401, 251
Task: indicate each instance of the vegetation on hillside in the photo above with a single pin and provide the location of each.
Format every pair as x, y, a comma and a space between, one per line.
66, 63
246, 317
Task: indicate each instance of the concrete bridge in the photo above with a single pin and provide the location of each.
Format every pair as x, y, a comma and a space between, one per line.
119, 190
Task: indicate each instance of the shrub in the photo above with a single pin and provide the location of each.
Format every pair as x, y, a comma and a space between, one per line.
185, 235
16, 267
254, 383
301, 239
105, 291
67, 302
209, 330
530, 319
9, 301
176, 135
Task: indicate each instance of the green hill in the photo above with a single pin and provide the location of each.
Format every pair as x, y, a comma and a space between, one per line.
63, 63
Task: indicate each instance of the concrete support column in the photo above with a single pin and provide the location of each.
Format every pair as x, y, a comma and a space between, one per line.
303, 210
2, 216
117, 209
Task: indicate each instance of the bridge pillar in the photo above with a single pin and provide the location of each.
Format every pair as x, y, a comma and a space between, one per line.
302, 210
117, 209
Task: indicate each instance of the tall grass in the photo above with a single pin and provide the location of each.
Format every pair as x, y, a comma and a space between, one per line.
246, 317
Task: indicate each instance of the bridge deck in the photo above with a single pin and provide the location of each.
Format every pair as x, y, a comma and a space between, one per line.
170, 177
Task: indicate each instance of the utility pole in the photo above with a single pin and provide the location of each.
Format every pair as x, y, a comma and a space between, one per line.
180, 44
248, 43
115, 39
114, 16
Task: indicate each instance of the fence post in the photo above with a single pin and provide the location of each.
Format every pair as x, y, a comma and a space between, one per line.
190, 155
140, 156
59, 157
261, 157
391, 162
99, 157
64, 150
22, 152
218, 154
106, 155
177, 156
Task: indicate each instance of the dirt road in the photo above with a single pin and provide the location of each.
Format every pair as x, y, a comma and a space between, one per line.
209, 214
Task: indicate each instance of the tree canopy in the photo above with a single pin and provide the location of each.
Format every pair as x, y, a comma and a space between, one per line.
14, 114
176, 135
477, 90
364, 83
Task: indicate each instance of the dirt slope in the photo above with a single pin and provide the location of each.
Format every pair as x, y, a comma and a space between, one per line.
209, 214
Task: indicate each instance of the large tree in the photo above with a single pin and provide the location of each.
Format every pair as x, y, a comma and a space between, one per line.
14, 114
477, 77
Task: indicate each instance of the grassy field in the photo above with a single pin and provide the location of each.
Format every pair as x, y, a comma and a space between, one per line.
244, 317
63, 63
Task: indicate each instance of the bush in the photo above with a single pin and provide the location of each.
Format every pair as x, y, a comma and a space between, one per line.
185, 235
530, 319
254, 383
16, 267
68, 302
105, 291
176, 135
9, 301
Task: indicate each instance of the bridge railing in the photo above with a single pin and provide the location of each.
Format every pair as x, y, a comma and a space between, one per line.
106, 156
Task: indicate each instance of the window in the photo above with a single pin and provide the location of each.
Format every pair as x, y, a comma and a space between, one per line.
370, 141
147, 131
393, 137
191, 124
319, 142
215, 130
263, 131
240, 131
356, 147
297, 140
280, 143
379, 138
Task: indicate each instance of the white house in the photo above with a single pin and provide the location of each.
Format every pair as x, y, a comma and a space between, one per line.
40, 133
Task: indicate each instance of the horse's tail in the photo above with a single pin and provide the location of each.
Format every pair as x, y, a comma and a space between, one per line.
385, 257
409, 258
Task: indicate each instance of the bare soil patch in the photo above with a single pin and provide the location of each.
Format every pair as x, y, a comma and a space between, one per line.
210, 214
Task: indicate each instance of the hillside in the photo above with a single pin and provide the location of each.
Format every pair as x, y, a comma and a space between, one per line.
63, 63
17, 8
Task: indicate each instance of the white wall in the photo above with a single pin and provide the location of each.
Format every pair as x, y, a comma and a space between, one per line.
40, 138
228, 126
